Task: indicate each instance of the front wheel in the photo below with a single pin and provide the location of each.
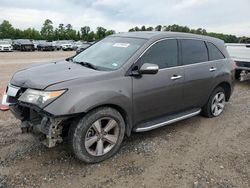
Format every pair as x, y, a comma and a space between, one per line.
216, 103
98, 135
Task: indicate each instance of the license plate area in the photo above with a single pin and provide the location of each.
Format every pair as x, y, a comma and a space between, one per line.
12, 91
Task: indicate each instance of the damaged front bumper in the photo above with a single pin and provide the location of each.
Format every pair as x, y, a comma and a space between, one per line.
34, 119
48, 127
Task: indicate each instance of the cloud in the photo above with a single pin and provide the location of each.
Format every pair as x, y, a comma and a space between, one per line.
225, 16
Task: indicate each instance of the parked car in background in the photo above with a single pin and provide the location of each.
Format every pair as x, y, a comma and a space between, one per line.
5, 46
57, 45
37, 42
67, 45
77, 44
127, 82
240, 53
83, 47
23, 45
45, 46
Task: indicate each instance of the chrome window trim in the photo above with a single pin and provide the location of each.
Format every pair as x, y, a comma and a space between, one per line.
204, 62
163, 39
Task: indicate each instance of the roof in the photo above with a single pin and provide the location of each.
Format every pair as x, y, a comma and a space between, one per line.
166, 34
157, 35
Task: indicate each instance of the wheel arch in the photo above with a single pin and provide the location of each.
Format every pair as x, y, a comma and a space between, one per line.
227, 87
122, 111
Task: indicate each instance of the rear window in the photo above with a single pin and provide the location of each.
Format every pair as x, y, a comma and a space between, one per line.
214, 52
193, 51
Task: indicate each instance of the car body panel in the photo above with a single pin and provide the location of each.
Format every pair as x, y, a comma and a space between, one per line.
42, 76
157, 95
141, 98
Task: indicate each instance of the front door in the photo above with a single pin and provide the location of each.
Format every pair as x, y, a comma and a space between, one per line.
157, 95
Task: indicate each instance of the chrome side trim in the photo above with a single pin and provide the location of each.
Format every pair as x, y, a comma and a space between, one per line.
167, 122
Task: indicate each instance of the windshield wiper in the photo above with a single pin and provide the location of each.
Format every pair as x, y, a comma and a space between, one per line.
86, 64
69, 59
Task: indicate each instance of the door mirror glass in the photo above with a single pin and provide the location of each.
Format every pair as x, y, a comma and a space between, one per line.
148, 68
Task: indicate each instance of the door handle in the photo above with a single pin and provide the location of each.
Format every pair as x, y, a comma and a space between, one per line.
212, 69
176, 77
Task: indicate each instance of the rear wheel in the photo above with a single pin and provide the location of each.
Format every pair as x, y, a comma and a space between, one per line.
98, 135
216, 103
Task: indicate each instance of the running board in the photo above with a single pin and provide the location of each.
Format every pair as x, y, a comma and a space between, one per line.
171, 119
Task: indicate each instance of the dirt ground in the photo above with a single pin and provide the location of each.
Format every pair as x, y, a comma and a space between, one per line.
198, 152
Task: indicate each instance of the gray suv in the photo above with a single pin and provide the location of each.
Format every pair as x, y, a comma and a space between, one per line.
126, 82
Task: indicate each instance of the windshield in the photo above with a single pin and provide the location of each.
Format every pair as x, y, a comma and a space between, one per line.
4, 42
110, 53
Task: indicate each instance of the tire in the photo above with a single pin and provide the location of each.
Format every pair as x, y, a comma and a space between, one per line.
237, 74
209, 110
84, 130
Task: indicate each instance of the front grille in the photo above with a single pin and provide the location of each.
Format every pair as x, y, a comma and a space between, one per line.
12, 99
243, 64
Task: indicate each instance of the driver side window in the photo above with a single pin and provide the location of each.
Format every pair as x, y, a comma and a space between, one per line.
163, 53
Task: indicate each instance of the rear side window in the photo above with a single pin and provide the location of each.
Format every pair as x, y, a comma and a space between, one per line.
214, 52
163, 53
193, 51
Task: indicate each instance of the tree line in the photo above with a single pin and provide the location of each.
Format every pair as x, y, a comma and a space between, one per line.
48, 32
185, 29
67, 32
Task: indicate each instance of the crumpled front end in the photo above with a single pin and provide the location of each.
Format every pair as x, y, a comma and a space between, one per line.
34, 119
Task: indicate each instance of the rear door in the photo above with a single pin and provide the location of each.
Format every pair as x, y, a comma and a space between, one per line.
160, 94
198, 71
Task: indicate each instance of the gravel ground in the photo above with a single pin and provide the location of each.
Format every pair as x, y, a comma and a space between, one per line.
198, 152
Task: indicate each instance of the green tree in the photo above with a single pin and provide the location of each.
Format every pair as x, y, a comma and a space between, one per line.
78, 35
150, 29
31, 33
109, 32
70, 32
18, 34
143, 28
131, 30
47, 30
56, 34
158, 28
91, 36
6, 30
61, 32
100, 33
85, 32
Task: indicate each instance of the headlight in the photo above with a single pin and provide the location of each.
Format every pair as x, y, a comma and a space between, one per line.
40, 98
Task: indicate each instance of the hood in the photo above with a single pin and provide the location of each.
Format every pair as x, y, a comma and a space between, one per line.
42, 76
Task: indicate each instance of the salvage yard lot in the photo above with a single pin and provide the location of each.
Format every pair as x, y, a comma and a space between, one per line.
191, 153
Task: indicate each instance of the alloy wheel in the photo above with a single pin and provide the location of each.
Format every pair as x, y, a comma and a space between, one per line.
218, 104
102, 136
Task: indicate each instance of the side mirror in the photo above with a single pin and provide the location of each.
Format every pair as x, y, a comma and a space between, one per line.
148, 68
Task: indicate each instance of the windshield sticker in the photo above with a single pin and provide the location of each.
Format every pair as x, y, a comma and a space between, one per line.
115, 64
121, 45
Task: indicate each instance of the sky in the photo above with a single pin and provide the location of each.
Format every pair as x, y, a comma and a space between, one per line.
225, 16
